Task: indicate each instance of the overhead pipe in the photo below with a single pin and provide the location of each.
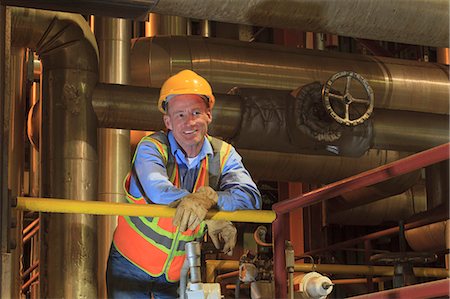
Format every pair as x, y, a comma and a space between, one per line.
386, 210
373, 193
397, 84
393, 21
112, 111
69, 56
140, 112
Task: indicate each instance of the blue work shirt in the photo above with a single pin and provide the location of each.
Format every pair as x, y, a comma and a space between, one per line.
237, 191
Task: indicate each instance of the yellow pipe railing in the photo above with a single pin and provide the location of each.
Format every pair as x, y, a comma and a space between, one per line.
56, 205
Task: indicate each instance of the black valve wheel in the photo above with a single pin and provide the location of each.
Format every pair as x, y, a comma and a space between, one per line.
344, 107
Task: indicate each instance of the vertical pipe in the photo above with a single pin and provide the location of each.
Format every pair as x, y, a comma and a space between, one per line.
114, 41
245, 32
151, 27
17, 153
34, 181
6, 281
206, 28
279, 263
443, 55
319, 41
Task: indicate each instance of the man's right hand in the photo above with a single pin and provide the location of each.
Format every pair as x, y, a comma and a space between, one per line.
192, 209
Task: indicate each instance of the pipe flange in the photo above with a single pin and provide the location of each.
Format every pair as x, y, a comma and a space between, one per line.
338, 105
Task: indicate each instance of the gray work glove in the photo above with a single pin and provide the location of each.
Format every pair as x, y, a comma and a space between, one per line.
192, 209
222, 230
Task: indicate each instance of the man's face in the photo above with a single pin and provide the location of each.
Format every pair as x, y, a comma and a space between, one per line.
188, 118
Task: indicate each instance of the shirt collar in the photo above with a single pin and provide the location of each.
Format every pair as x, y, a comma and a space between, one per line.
178, 153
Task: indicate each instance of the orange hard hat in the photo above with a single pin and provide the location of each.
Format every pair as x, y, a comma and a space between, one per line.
185, 82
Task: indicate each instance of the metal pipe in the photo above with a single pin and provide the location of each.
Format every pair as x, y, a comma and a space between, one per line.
373, 193
6, 274
433, 289
360, 280
27, 284
140, 112
17, 153
213, 265
71, 206
31, 226
379, 234
390, 209
30, 269
428, 238
114, 41
68, 146
397, 84
276, 166
344, 18
31, 234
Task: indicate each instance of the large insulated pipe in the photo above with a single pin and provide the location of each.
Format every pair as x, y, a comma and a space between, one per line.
397, 84
391, 209
429, 238
113, 37
424, 23
140, 112
68, 145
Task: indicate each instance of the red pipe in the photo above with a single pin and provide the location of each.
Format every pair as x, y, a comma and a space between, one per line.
370, 177
434, 289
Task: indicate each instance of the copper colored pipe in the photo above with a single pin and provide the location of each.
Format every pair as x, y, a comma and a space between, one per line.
29, 282
30, 235
360, 280
221, 277
30, 226
29, 270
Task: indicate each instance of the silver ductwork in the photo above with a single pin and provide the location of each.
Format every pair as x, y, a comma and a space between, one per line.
68, 145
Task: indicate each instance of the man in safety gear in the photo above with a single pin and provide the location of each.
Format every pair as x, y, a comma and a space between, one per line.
183, 168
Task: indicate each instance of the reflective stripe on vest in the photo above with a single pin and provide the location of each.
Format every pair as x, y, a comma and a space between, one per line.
153, 243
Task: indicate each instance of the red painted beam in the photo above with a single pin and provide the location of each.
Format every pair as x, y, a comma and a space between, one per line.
367, 178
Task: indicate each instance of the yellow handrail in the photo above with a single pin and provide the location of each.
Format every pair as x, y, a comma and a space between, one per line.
58, 205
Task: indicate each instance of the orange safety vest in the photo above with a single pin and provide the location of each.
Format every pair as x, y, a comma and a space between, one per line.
152, 243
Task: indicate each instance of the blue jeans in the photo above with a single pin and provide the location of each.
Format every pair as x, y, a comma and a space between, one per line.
125, 280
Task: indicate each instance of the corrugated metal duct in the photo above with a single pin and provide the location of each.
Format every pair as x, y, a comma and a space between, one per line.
68, 145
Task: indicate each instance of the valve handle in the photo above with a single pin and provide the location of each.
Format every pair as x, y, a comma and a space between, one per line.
347, 99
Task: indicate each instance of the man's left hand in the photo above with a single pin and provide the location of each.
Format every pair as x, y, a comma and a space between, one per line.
222, 230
